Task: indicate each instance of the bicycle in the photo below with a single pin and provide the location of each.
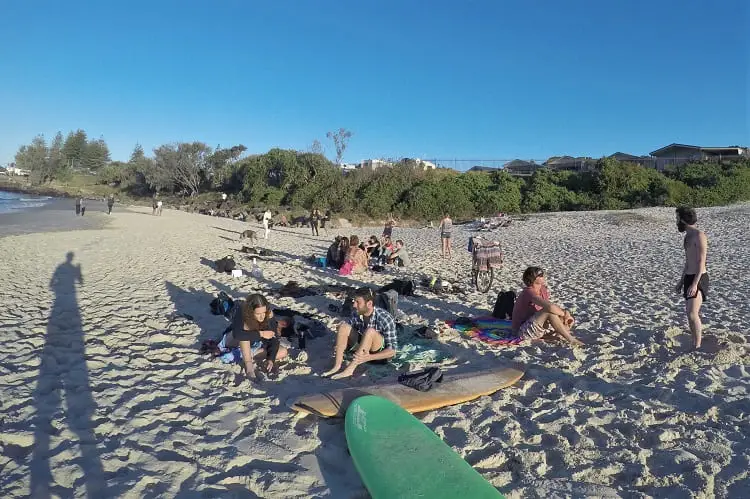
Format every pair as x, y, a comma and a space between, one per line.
486, 256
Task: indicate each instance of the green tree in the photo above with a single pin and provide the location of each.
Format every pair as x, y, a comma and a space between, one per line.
95, 155
35, 158
75, 148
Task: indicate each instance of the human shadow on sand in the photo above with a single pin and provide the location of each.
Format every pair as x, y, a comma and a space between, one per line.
63, 371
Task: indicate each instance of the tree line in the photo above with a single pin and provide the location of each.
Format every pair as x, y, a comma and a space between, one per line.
301, 180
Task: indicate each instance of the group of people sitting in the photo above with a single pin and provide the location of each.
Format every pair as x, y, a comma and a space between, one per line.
350, 256
370, 333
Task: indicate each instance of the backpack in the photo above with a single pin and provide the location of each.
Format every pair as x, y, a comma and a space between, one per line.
225, 264
388, 301
222, 305
400, 286
504, 305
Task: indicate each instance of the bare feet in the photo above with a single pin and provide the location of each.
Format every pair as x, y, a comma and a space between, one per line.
332, 371
576, 343
345, 373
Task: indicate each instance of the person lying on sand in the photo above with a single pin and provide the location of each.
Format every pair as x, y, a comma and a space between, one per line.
252, 331
370, 334
534, 316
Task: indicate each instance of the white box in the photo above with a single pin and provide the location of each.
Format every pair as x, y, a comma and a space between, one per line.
237, 273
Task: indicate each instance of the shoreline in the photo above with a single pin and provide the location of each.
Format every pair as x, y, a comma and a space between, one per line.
57, 215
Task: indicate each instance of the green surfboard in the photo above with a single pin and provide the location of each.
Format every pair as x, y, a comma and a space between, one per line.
398, 456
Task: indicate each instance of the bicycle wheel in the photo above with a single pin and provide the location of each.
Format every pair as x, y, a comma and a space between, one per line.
484, 280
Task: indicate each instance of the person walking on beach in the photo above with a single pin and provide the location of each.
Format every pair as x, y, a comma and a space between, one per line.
159, 206
110, 203
83, 206
154, 204
534, 315
314, 222
693, 283
266, 221
78, 206
446, 229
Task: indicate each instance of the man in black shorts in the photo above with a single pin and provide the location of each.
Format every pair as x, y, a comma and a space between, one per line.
694, 281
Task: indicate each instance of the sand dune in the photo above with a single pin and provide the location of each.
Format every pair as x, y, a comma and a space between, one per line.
103, 390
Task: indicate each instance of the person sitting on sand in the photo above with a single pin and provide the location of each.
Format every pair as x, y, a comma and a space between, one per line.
372, 247
333, 257
386, 248
369, 334
357, 256
534, 315
253, 332
400, 257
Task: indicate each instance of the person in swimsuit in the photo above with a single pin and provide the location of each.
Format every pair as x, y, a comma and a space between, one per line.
370, 334
446, 229
694, 281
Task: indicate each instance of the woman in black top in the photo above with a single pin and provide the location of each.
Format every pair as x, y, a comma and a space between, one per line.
252, 329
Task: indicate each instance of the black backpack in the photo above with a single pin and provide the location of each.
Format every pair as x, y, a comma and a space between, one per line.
401, 286
225, 264
504, 305
222, 305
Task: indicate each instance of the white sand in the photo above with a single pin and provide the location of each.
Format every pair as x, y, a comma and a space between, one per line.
631, 415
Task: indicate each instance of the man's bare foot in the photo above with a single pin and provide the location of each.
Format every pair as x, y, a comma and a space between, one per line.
576, 343
345, 373
332, 371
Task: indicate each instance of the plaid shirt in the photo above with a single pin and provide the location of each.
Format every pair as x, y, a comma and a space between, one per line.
382, 322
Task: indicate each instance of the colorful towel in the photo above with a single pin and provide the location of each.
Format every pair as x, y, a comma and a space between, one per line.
413, 351
496, 332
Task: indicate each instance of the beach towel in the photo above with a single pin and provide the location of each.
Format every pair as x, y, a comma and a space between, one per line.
496, 332
413, 352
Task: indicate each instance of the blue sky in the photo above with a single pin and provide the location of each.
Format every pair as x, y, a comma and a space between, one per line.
441, 79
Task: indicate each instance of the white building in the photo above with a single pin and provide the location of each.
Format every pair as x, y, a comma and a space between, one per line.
426, 165
374, 164
12, 170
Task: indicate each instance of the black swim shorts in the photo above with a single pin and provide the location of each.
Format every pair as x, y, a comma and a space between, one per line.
703, 285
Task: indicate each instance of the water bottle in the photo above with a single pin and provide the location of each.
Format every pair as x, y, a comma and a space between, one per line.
256, 272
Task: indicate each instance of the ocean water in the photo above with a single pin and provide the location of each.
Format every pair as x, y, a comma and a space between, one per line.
12, 202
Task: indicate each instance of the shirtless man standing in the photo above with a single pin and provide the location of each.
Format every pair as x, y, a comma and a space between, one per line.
694, 281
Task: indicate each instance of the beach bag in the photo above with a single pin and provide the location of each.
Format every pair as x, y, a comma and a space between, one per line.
222, 305
388, 301
504, 305
401, 286
422, 380
470, 247
225, 264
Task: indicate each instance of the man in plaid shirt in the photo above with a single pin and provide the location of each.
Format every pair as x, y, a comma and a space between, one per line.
370, 334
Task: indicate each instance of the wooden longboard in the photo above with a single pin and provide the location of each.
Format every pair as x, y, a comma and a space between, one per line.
454, 389
396, 455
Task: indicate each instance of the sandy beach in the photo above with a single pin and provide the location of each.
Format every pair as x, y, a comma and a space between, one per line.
104, 393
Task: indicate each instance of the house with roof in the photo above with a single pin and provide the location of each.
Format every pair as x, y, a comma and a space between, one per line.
630, 158
521, 167
481, 168
679, 154
569, 163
